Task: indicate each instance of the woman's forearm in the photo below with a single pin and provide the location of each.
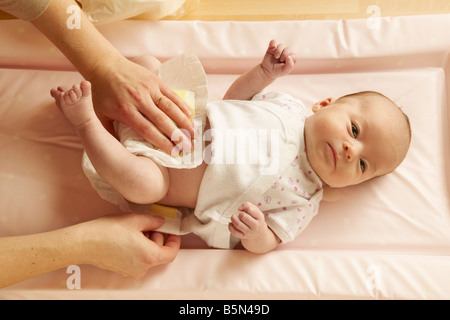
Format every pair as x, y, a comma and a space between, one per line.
81, 43
25, 257
115, 243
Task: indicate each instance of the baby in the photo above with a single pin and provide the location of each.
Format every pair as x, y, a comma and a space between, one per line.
343, 142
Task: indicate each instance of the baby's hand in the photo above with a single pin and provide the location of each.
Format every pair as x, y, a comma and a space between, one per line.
249, 223
278, 61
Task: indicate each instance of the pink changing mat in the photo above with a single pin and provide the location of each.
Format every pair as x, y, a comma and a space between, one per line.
386, 239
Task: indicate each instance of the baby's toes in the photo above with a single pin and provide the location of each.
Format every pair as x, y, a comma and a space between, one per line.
85, 87
70, 97
76, 89
57, 96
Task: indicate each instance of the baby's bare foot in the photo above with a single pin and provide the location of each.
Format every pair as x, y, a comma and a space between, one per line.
75, 103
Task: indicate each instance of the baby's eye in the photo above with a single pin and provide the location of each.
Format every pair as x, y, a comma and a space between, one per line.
355, 131
362, 165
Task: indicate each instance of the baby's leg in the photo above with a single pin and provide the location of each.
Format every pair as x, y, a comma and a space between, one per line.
138, 179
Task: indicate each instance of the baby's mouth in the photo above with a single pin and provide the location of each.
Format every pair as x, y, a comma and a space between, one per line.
333, 155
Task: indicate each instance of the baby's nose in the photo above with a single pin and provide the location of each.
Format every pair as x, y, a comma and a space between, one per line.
351, 150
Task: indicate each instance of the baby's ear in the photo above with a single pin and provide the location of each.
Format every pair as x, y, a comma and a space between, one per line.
321, 104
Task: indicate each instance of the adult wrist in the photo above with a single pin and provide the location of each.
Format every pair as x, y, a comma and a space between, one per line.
78, 243
101, 68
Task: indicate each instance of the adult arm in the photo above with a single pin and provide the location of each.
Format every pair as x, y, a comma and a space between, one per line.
122, 89
116, 243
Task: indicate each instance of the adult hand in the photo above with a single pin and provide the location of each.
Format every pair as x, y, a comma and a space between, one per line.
130, 93
116, 243
122, 90
124, 243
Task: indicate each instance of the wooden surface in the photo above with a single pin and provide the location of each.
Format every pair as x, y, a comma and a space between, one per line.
253, 10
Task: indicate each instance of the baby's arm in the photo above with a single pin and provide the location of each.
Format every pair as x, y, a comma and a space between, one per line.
138, 179
277, 62
250, 226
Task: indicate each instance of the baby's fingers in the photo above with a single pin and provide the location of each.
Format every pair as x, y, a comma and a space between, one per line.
236, 221
235, 227
249, 221
251, 210
287, 52
289, 64
272, 46
276, 49
278, 52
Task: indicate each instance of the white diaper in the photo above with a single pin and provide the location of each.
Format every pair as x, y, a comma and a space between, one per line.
186, 76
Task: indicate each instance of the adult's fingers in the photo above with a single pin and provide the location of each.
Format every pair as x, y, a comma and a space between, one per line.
145, 222
172, 110
151, 132
169, 250
176, 99
173, 242
154, 124
157, 237
177, 117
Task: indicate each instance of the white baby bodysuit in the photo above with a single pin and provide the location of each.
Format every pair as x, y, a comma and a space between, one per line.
286, 188
293, 199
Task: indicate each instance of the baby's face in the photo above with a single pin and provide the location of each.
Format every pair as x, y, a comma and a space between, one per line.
354, 140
